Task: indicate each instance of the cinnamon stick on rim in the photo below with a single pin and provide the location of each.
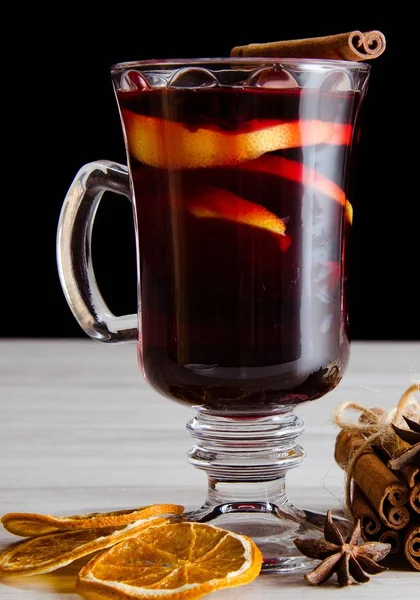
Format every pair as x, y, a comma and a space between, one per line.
387, 494
353, 45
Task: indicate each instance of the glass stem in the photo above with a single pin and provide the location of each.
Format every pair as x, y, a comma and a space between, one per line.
246, 458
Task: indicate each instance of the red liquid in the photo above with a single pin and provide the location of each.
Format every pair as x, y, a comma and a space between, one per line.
241, 265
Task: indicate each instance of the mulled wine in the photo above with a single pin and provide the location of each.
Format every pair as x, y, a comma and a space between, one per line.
242, 216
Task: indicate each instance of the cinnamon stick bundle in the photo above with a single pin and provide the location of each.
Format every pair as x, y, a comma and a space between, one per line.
353, 45
383, 474
412, 545
387, 494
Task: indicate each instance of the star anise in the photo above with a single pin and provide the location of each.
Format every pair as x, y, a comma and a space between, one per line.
351, 559
411, 456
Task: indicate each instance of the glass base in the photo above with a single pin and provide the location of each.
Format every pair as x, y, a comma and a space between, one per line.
272, 528
246, 460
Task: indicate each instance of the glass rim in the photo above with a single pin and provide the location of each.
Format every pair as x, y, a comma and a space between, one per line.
256, 61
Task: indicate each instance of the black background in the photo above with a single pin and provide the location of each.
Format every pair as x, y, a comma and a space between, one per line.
63, 113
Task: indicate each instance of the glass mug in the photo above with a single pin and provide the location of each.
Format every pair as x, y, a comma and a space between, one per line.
238, 173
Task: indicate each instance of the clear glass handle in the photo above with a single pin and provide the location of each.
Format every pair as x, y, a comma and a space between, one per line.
74, 257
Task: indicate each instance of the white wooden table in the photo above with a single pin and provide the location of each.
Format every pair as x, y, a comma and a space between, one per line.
80, 431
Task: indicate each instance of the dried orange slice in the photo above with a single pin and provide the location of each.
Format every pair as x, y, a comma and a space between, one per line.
168, 144
46, 553
173, 561
32, 524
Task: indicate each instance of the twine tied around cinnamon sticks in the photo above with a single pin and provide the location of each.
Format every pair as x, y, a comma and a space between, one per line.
387, 500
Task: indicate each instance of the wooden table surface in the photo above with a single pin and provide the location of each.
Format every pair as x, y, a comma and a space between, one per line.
80, 431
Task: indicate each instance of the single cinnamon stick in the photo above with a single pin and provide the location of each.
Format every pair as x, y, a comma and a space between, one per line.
394, 538
412, 545
353, 45
412, 476
414, 498
387, 494
363, 510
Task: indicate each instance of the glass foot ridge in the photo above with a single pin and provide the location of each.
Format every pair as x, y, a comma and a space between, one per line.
246, 461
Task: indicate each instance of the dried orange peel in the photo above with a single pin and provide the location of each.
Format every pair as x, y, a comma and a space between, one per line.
300, 173
168, 144
32, 524
171, 145
211, 202
216, 203
175, 561
46, 553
